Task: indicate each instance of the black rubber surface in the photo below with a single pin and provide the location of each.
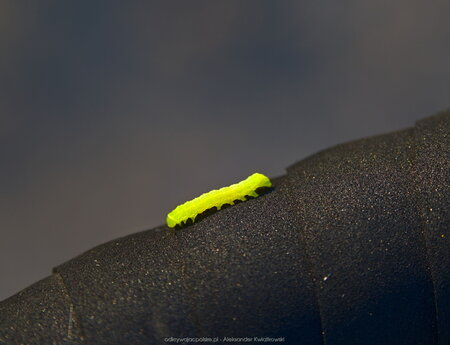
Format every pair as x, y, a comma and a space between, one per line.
351, 247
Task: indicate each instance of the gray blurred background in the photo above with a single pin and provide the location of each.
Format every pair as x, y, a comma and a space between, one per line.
112, 113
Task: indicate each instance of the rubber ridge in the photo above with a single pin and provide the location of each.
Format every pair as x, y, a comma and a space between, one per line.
351, 247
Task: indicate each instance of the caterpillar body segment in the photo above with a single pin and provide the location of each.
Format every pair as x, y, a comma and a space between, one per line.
217, 199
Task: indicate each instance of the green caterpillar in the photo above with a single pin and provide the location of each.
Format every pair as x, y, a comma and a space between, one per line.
218, 198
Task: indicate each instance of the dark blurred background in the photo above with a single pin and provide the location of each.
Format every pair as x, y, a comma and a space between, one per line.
112, 113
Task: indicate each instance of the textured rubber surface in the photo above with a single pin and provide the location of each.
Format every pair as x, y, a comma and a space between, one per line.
40, 314
351, 247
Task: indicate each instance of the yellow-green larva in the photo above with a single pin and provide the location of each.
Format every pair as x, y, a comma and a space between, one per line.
218, 198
